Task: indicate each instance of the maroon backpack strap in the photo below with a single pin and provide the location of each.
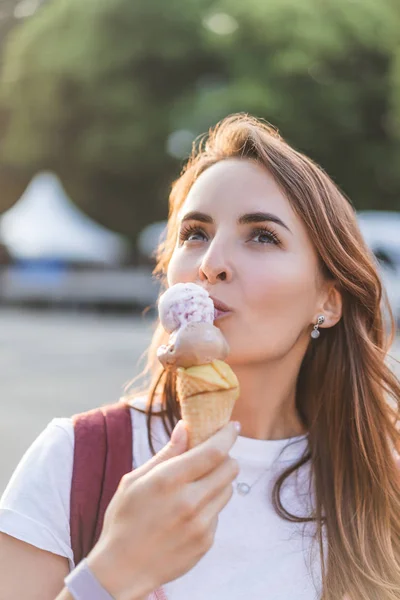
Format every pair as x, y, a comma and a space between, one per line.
102, 455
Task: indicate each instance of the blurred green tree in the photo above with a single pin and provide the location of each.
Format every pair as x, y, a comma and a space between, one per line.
109, 94
13, 180
90, 87
324, 73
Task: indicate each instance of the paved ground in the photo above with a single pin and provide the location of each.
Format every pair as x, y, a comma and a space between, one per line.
56, 364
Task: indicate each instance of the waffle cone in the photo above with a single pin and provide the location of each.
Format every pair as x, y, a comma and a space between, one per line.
207, 395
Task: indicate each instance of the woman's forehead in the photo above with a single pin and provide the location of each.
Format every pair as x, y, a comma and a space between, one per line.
236, 186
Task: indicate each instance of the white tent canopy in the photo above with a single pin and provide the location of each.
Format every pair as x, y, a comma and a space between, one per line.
45, 224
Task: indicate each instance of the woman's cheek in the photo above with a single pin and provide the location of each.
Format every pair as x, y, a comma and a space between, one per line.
181, 268
260, 287
287, 278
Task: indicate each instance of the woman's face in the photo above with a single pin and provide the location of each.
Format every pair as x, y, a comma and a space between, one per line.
263, 267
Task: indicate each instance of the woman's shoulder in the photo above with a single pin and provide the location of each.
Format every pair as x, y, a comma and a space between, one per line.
53, 446
49, 456
61, 430
35, 505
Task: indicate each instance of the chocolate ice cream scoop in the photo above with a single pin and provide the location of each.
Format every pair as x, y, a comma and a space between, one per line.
195, 343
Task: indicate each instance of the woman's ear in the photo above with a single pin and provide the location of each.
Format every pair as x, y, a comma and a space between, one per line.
331, 305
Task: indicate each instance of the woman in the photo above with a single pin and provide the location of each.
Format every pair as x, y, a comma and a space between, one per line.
315, 509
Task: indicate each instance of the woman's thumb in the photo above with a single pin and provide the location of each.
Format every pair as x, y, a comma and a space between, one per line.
176, 446
179, 436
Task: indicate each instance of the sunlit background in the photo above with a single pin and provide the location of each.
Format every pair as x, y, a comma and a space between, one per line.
100, 102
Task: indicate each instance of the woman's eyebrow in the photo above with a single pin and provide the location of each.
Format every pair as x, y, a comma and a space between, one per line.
257, 217
194, 215
260, 217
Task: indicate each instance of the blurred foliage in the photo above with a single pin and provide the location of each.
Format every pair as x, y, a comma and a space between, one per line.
98, 91
323, 72
13, 179
89, 87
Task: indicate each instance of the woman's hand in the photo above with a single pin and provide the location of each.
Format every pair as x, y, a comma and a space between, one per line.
164, 515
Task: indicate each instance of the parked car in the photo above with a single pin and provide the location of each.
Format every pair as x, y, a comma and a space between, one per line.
381, 231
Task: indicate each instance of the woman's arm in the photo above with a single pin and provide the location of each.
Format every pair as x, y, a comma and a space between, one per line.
30, 573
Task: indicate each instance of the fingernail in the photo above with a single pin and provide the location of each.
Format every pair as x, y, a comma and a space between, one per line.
238, 426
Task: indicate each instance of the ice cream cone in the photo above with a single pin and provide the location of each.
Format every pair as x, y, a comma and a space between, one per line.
207, 395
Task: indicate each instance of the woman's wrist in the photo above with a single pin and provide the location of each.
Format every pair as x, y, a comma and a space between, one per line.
82, 584
109, 573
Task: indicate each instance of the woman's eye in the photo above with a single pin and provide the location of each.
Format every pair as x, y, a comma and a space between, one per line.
191, 234
265, 236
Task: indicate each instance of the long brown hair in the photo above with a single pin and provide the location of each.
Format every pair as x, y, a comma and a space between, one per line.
346, 395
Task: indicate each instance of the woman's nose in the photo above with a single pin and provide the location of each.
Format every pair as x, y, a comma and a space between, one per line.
214, 267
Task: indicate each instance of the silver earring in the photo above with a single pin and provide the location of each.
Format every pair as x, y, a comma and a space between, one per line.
315, 333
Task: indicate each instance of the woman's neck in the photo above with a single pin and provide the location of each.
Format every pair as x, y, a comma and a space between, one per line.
266, 407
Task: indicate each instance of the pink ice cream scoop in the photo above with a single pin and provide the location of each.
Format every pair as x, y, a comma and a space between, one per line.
185, 303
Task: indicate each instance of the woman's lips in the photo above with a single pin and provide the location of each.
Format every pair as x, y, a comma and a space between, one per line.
220, 309
219, 305
218, 314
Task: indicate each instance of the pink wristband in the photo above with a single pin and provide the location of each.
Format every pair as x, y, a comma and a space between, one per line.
83, 585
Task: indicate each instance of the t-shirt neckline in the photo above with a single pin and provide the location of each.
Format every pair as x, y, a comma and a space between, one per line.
269, 451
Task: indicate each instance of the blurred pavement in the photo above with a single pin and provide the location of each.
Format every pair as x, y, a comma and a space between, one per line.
56, 364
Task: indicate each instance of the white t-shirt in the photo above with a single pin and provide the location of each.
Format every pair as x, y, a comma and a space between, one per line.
256, 554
